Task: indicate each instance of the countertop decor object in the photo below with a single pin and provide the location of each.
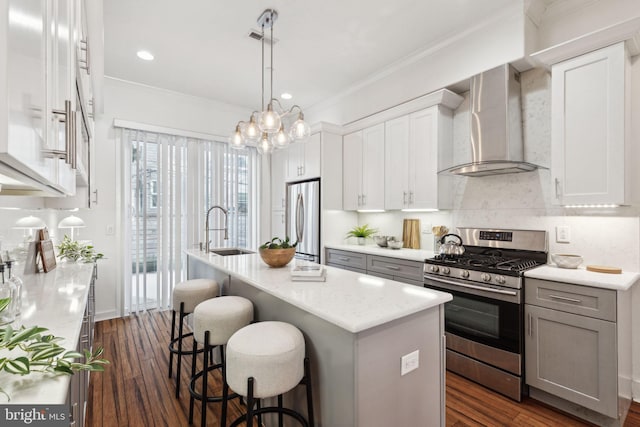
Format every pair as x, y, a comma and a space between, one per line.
411, 233
395, 244
604, 269
566, 260
267, 127
361, 232
277, 252
381, 240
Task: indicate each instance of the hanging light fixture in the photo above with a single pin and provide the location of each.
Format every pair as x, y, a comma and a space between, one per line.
267, 129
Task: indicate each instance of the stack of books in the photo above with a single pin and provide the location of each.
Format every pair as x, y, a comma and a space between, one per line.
308, 273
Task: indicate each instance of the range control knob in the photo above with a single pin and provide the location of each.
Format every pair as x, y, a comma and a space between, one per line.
445, 270
464, 274
500, 280
434, 268
485, 277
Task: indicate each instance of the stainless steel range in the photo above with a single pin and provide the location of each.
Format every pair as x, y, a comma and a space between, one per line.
484, 321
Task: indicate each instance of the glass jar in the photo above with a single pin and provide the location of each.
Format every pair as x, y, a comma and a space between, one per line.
17, 299
7, 291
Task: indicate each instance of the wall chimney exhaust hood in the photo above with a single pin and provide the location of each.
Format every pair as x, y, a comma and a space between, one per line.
496, 125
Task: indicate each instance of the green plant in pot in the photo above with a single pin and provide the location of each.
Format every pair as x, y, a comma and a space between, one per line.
74, 251
362, 232
277, 252
29, 349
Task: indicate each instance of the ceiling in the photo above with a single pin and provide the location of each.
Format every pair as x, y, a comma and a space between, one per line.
324, 47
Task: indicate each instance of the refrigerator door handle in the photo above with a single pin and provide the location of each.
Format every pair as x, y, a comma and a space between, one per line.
300, 218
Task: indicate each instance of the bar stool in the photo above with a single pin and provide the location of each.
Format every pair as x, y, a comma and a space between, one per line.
214, 322
186, 296
266, 359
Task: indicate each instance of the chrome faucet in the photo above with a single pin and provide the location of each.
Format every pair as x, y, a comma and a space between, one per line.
206, 226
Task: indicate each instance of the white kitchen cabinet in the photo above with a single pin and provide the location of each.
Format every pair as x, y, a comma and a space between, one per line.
591, 161
304, 159
364, 169
576, 348
416, 147
278, 227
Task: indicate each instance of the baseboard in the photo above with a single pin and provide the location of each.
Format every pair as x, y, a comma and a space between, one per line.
106, 315
635, 390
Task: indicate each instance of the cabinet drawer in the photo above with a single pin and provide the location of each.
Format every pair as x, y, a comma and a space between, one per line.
397, 267
347, 259
583, 300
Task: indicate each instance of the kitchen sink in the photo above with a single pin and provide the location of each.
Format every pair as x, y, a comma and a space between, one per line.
231, 251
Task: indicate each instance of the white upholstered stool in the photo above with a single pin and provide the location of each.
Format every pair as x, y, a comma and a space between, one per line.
267, 359
186, 296
214, 322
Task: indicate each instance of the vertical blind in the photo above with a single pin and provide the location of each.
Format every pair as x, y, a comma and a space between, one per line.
171, 181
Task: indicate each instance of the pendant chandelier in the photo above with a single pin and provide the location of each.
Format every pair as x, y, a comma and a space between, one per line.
274, 127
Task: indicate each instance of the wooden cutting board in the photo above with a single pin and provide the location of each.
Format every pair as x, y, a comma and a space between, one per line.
411, 233
604, 269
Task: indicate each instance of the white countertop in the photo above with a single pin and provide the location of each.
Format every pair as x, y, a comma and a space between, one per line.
580, 276
408, 254
352, 301
55, 300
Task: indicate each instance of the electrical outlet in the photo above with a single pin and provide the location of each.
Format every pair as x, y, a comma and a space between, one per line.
409, 362
426, 228
563, 234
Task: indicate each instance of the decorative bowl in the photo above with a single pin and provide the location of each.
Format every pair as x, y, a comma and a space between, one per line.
381, 241
566, 260
277, 258
395, 244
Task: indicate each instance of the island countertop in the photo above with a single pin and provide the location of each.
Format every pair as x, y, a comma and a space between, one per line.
55, 300
352, 301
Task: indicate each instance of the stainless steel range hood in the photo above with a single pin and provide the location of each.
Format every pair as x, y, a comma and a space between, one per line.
496, 125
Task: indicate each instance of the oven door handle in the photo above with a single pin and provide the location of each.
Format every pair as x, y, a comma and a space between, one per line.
481, 288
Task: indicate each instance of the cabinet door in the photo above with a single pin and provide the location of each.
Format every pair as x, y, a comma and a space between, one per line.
278, 228
311, 157
588, 128
572, 357
423, 163
295, 154
396, 162
23, 89
278, 172
373, 167
352, 171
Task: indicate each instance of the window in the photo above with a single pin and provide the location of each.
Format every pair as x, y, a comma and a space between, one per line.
171, 182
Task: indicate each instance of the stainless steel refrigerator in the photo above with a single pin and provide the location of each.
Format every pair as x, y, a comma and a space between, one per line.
303, 218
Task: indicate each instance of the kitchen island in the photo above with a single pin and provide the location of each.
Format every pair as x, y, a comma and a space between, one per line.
357, 328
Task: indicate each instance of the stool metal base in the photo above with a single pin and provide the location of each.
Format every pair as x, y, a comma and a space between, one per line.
280, 410
179, 351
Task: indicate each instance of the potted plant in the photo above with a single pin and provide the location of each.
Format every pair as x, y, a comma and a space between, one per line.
277, 252
74, 251
361, 233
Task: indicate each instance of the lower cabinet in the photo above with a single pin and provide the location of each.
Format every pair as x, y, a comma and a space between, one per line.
78, 392
391, 268
572, 348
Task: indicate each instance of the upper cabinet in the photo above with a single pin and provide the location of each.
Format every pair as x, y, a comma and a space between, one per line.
304, 159
591, 161
416, 147
364, 169
41, 124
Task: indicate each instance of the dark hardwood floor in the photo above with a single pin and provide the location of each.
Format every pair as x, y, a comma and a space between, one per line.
135, 389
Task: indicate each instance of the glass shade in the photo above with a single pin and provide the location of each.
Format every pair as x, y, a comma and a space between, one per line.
29, 222
264, 145
269, 120
71, 222
281, 138
236, 140
251, 131
300, 130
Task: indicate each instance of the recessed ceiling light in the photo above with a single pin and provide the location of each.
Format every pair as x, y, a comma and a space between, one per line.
286, 95
143, 54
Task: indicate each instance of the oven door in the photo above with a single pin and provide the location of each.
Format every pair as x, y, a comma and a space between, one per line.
488, 315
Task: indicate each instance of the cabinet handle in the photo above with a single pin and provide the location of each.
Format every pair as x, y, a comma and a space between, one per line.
558, 297
67, 114
359, 200
364, 199
96, 193
84, 46
529, 322
411, 197
282, 201
404, 197
343, 258
301, 170
282, 216
557, 182
392, 267
73, 142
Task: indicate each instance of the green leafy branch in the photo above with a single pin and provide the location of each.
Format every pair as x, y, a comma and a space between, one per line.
278, 243
41, 352
74, 250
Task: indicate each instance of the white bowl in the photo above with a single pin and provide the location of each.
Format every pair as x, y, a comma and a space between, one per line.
395, 244
566, 260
